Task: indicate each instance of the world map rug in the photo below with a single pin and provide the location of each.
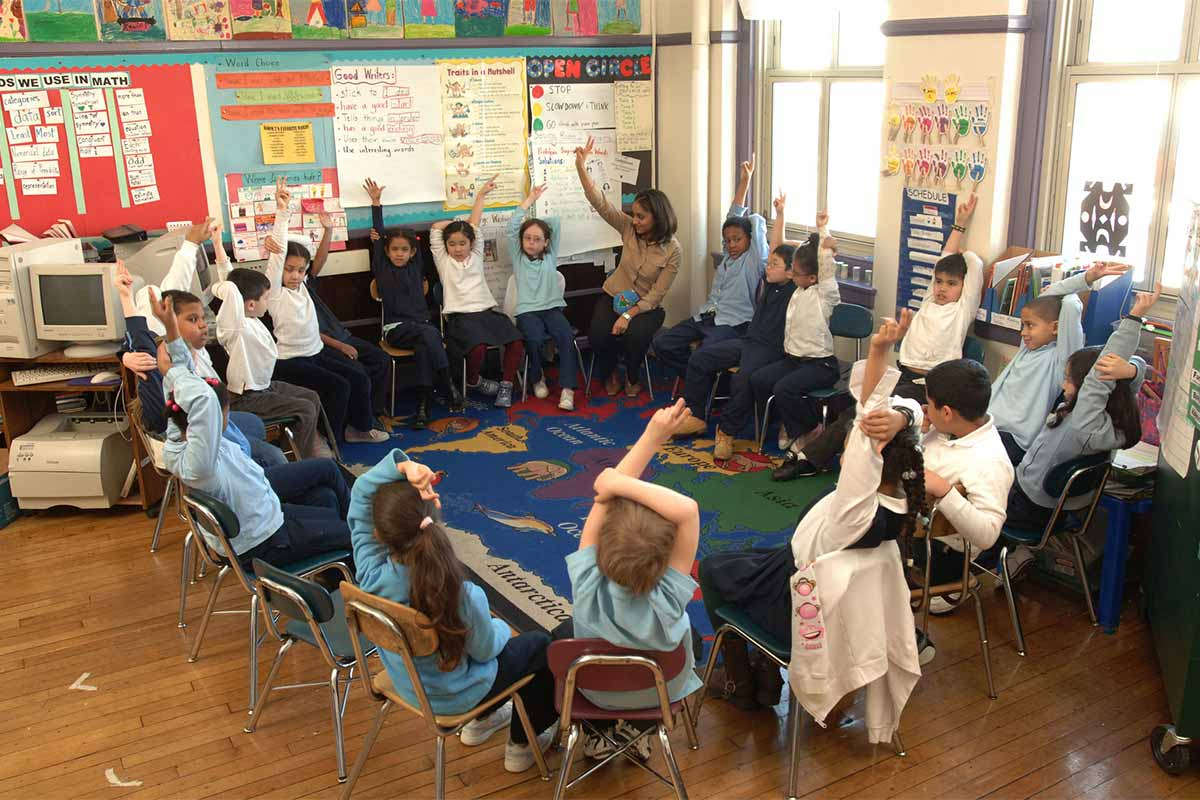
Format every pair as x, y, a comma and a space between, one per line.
516, 487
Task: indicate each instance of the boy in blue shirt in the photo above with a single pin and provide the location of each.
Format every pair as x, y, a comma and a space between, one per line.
730, 305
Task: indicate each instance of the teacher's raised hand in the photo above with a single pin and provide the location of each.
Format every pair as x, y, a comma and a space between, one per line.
581, 153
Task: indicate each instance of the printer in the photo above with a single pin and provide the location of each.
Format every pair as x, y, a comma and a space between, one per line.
80, 460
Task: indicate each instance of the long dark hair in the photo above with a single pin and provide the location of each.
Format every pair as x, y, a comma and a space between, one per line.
805, 257
904, 466
659, 206
435, 574
176, 414
1121, 406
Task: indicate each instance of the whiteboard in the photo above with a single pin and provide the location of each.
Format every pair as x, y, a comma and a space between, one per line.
387, 125
553, 156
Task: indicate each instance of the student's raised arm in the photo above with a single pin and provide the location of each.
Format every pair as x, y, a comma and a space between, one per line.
222, 258
962, 220
370, 554
827, 283
659, 430
777, 230
678, 509
480, 201
198, 459
283, 214
610, 214
972, 293
375, 192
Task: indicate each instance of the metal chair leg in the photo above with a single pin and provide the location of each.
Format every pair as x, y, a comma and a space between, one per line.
579, 358
339, 744
564, 768
689, 726
1010, 595
718, 640
368, 743
649, 380
185, 572
531, 735
208, 611
392, 407
766, 422
439, 768
669, 755
265, 694
1083, 581
983, 642
795, 718
253, 652
162, 512
898, 745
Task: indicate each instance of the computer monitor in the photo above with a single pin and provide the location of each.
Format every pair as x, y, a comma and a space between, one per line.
77, 303
152, 260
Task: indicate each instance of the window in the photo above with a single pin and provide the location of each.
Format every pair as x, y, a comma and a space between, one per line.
824, 107
1128, 107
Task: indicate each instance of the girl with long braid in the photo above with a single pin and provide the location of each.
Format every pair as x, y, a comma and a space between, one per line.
879, 497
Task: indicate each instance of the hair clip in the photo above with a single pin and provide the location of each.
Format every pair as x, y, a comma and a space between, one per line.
909, 474
212, 381
425, 523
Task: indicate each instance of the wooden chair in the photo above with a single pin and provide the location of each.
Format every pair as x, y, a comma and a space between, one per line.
154, 448
392, 351
408, 633
316, 618
940, 528
595, 664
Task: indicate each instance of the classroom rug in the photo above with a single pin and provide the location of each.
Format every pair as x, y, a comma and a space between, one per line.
516, 486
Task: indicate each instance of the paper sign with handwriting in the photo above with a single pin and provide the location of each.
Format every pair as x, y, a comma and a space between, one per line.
287, 143
554, 165
635, 115
22, 135
571, 106
54, 115
16, 100
387, 126
35, 169
40, 186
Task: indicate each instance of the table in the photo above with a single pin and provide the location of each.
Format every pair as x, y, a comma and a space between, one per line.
1116, 552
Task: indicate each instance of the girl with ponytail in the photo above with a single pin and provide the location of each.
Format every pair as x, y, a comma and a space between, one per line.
402, 553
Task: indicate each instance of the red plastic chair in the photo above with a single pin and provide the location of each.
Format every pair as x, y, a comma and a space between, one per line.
596, 665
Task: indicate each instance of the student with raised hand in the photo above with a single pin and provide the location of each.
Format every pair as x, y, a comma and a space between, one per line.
140, 356
540, 301
403, 554
345, 390
473, 322
399, 272
879, 497
252, 352
182, 271
1098, 414
730, 304
1051, 330
761, 345
200, 455
937, 333
650, 254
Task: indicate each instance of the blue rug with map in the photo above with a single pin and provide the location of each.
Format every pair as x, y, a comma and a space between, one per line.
516, 486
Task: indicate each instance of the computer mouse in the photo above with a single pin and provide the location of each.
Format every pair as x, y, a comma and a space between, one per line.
105, 377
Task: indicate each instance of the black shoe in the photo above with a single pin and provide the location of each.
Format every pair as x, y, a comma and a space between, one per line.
421, 419
793, 467
454, 400
768, 682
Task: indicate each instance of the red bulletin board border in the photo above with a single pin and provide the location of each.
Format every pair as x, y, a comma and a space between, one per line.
174, 143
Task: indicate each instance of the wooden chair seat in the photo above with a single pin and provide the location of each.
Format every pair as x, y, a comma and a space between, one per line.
396, 352
943, 589
382, 683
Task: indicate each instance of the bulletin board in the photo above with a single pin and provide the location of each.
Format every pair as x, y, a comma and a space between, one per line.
101, 147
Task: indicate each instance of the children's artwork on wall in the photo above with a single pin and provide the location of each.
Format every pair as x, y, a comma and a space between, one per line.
576, 17
478, 18
61, 21
1104, 217
198, 20
261, 19
12, 21
427, 19
124, 20
529, 18
619, 16
319, 19
376, 19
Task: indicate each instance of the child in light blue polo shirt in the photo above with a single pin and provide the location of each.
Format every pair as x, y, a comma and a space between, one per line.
631, 577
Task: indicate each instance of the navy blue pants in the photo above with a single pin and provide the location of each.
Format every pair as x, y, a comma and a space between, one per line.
344, 387
525, 654
537, 327
306, 531
311, 482
629, 347
425, 340
790, 379
377, 366
673, 346
738, 412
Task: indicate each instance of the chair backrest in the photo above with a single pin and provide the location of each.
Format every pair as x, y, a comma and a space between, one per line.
1079, 476
292, 595
973, 349
851, 321
211, 520
613, 676
153, 447
510, 298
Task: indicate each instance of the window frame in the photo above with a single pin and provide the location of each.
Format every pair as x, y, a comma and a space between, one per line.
1070, 69
771, 74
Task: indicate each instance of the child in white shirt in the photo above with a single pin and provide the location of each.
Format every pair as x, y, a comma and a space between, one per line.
302, 357
473, 323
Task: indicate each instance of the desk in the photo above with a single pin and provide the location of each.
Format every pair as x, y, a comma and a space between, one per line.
23, 406
1116, 552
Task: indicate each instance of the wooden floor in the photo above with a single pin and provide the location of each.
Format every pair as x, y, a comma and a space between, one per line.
82, 594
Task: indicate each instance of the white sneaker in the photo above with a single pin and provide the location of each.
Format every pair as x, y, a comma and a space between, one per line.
566, 400
784, 440
925, 649
598, 748
366, 436
940, 607
1019, 560
519, 757
540, 391
478, 731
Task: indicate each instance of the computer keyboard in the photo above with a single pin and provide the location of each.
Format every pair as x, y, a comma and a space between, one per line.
64, 372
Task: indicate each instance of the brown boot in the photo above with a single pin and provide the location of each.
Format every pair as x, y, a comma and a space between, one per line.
613, 385
737, 685
692, 426
723, 451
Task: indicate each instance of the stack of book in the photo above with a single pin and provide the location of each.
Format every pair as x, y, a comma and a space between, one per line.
70, 403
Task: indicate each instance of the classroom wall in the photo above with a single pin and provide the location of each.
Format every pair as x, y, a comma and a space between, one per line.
973, 57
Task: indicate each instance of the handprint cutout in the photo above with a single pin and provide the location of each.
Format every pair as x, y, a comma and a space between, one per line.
960, 122
925, 120
894, 120
910, 122
980, 117
924, 166
958, 165
929, 87
943, 122
950, 88
909, 163
978, 167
